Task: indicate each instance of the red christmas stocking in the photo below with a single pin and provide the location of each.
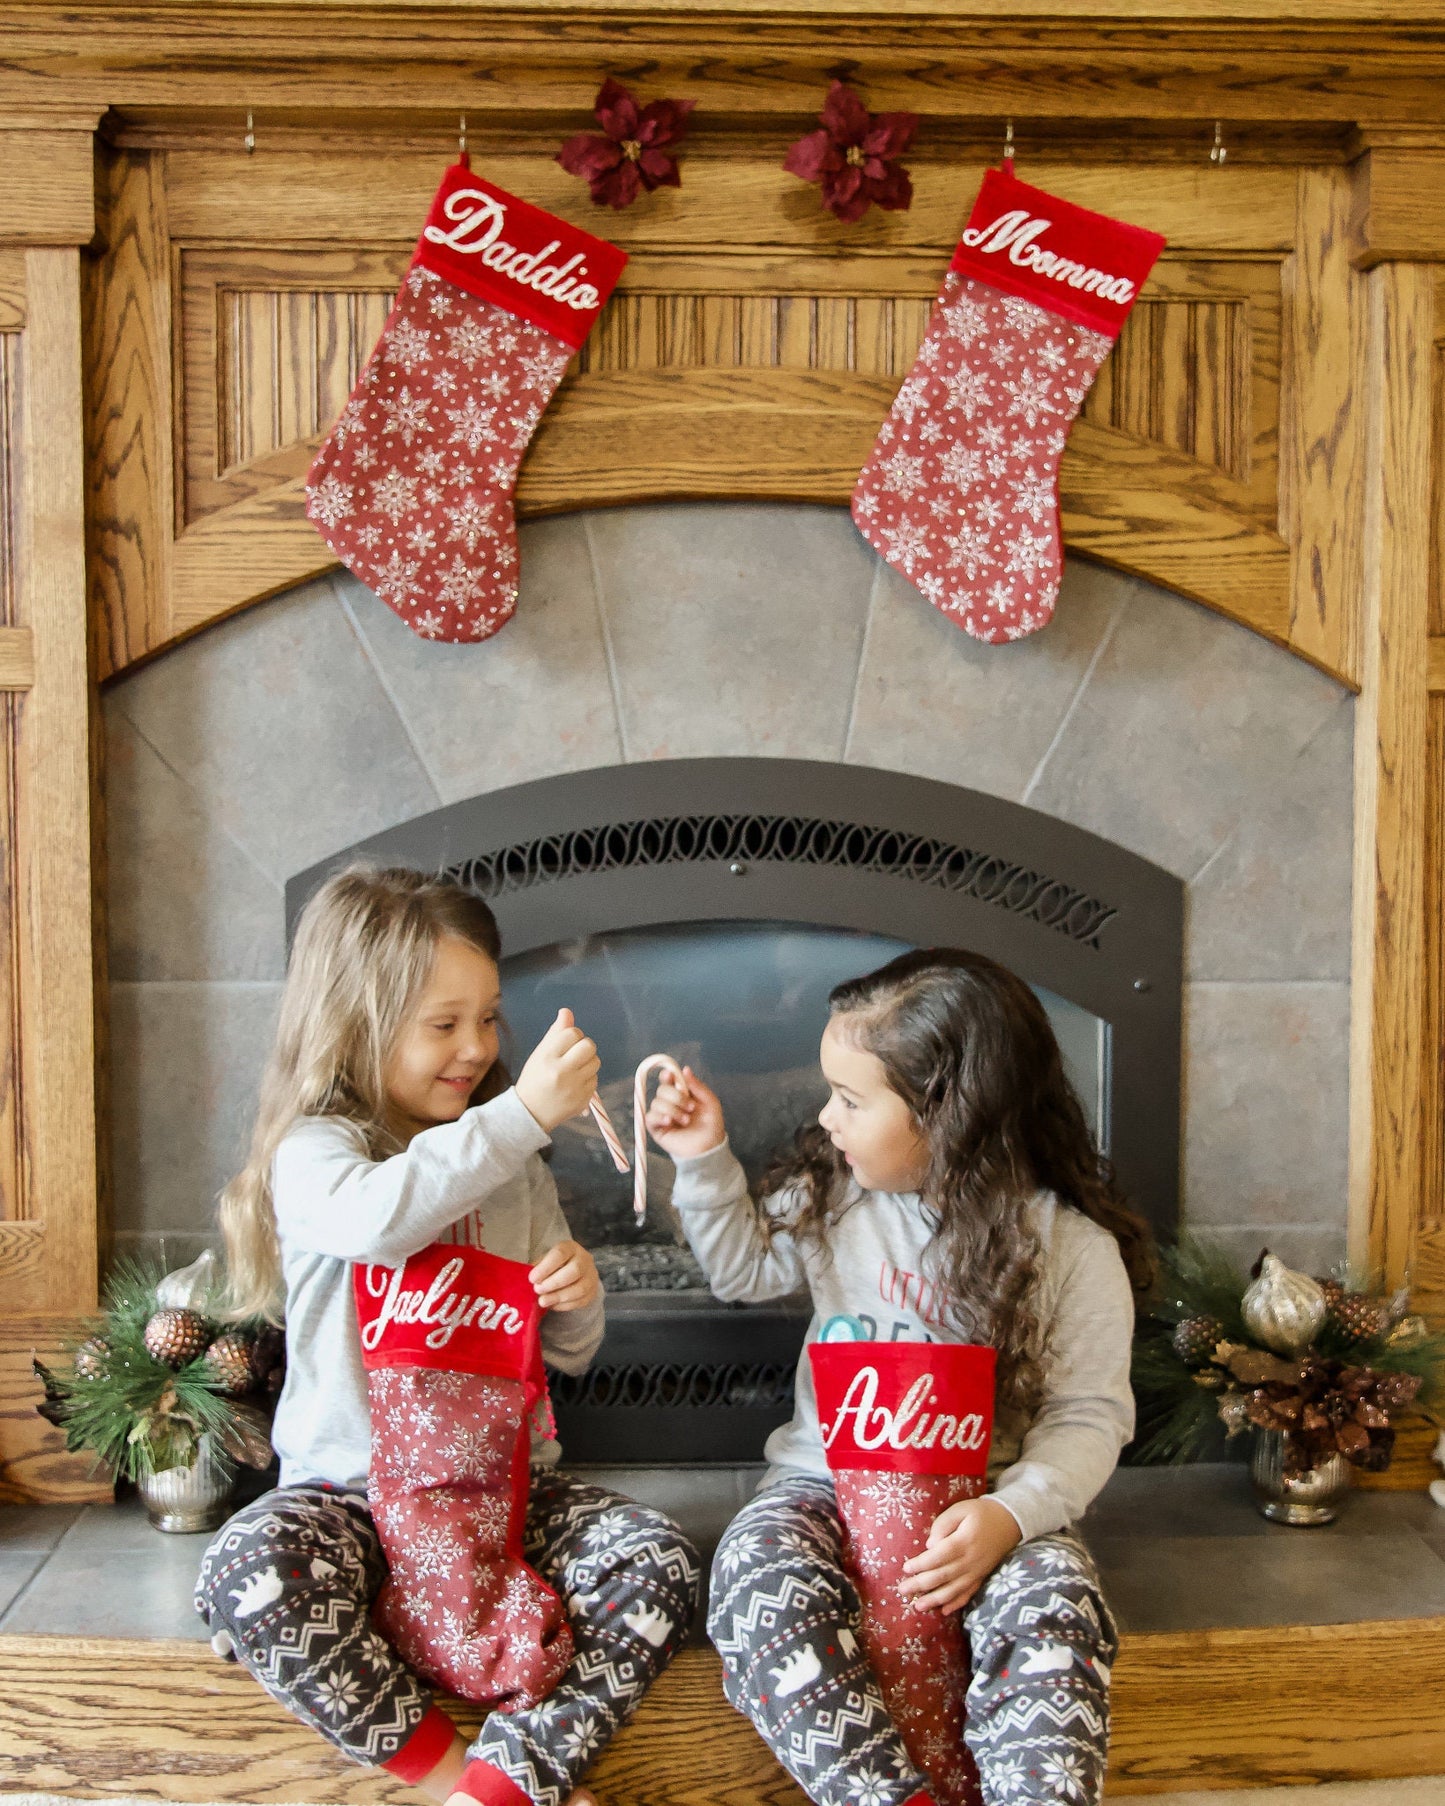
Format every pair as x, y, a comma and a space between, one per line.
960, 491
454, 1368
413, 487
906, 1429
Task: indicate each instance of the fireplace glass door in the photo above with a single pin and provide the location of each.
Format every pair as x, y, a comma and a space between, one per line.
744, 1004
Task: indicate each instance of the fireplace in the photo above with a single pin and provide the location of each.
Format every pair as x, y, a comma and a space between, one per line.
705, 907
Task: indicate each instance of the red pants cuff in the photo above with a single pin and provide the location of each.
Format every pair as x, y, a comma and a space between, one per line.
488, 1786
426, 1746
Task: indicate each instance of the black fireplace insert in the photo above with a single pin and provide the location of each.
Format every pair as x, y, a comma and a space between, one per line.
704, 908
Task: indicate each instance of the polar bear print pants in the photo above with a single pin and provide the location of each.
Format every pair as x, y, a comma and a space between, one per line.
286, 1587
784, 1617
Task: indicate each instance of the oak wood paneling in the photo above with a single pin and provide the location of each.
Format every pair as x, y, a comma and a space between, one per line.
745, 198
1388, 989
1322, 500
47, 188
53, 807
33, 1459
1227, 1708
129, 411
1400, 212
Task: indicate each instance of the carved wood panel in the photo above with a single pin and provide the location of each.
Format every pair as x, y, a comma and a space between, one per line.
13, 1201
268, 364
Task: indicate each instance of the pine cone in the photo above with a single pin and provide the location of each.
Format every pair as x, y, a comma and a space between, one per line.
176, 1337
1356, 1315
228, 1363
92, 1358
1196, 1338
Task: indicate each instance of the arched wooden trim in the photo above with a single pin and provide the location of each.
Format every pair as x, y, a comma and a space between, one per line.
1134, 506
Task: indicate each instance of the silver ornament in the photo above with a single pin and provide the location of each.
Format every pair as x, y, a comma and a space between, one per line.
1283, 1309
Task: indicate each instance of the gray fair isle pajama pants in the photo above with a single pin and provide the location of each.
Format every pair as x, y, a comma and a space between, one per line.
1042, 1642
291, 1578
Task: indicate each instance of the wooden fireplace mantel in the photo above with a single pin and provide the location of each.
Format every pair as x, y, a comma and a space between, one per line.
180, 321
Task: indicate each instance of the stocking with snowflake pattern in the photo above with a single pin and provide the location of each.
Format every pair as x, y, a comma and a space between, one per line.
906, 1429
960, 491
413, 487
453, 1358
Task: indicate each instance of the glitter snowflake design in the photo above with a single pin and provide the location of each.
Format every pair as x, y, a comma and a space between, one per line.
413, 488
968, 514
460, 1603
918, 1659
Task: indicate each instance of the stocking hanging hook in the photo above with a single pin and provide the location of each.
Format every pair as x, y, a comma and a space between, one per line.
462, 136
1008, 141
250, 139
1217, 152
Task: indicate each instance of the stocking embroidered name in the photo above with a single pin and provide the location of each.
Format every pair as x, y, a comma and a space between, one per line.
453, 1356
413, 487
960, 491
906, 1429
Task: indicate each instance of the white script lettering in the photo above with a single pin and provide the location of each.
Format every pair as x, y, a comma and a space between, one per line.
1015, 232
445, 1309
910, 1426
476, 231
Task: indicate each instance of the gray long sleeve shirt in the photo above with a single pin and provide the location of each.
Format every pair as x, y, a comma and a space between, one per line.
1045, 1472
478, 1180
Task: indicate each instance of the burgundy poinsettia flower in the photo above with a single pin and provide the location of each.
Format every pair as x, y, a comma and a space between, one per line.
630, 154
855, 156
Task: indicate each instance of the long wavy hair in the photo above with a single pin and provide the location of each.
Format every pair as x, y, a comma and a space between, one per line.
969, 1049
364, 948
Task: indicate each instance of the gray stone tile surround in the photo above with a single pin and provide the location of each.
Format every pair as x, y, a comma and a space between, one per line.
296, 727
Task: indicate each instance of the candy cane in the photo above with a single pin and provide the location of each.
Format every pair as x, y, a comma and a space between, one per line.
638, 1165
609, 1134
653, 1063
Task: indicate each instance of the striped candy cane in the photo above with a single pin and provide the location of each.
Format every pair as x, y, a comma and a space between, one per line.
653, 1063
609, 1134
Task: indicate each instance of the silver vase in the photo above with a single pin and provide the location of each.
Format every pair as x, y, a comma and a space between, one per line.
191, 1498
1312, 1497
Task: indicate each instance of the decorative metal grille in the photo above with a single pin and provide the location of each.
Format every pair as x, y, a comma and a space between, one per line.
697, 1386
797, 840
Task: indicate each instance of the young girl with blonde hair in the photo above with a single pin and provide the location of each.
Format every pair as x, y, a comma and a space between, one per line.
388, 1122
951, 1192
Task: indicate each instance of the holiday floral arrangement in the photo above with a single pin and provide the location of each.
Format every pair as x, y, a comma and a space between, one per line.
159, 1371
1329, 1365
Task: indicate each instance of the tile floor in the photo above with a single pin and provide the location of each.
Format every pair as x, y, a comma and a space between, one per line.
1179, 1549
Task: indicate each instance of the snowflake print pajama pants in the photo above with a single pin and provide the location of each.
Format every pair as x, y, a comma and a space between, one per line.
784, 1616
287, 1586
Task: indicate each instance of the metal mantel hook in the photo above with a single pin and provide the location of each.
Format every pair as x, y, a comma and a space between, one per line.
1217, 152
250, 139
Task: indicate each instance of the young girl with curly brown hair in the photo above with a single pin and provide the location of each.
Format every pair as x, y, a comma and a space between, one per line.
950, 1191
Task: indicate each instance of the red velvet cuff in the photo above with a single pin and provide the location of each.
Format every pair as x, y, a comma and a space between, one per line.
921, 1798
426, 1746
488, 1786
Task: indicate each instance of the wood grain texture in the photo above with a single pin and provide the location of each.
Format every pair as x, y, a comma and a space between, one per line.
1400, 215
129, 412
1388, 989
923, 55
742, 198
1234, 1708
17, 658
53, 806
1322, 500
34, 1466
804, 434
47, 189
1430, 1213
